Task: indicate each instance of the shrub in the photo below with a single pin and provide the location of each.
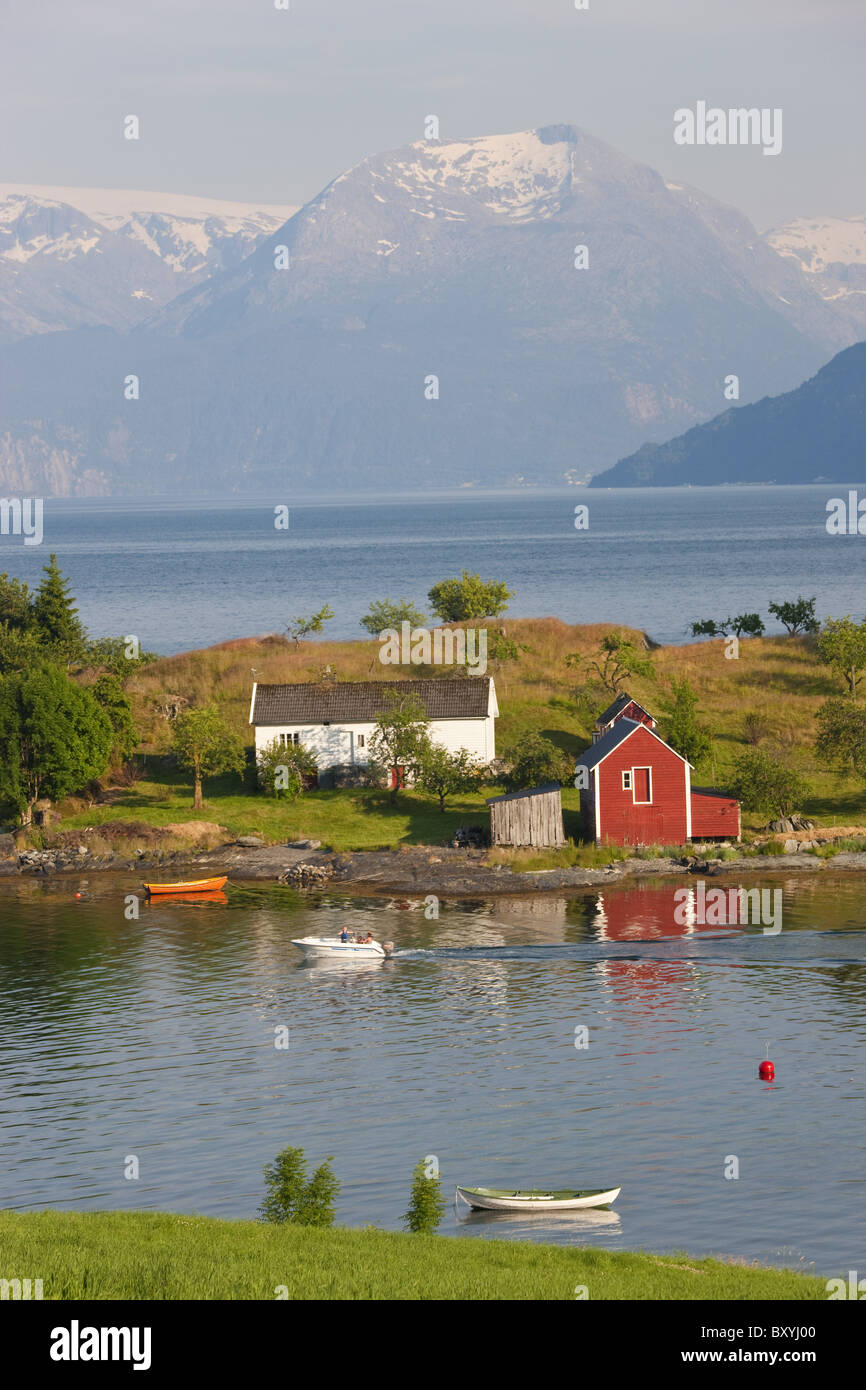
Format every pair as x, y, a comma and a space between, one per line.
426, 1203
290, 1197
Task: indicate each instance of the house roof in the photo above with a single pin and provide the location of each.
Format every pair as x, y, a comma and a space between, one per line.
526, 791
359, 701
620, 731
612, 739
620, 703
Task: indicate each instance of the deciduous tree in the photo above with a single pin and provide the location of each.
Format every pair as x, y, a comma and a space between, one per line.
762, 783
401, 736
796, 616
447, 774
460, 600
842, 647
385, 614
205, 746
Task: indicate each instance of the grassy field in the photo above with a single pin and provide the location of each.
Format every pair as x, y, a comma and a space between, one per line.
142, 1255
777, 678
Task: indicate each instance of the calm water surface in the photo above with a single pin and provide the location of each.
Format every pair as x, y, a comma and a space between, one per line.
156, 1038
185, 575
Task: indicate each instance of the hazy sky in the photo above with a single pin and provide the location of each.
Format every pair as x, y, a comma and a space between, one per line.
240, 100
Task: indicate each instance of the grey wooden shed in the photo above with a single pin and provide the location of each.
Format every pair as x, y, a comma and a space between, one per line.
531, 817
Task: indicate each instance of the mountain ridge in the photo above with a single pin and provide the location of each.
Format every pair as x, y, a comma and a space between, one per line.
814, 434
432, 323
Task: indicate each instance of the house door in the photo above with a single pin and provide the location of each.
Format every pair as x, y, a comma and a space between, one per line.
642, 786
398, 777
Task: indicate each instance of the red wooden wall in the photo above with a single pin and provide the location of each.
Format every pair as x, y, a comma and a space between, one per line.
664, 820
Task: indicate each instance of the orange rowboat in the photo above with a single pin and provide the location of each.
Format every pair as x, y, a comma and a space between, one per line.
201, 885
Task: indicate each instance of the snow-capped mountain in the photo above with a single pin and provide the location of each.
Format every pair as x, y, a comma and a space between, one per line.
527, 307
75, 257
832, 250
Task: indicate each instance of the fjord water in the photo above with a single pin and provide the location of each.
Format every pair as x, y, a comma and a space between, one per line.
186, 575
156, 1038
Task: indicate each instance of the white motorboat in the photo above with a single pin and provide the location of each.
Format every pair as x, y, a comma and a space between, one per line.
333, 948
532, 1200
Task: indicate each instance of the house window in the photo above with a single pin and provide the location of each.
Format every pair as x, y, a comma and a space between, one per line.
362, 742
642, 786
626, 781
287, 740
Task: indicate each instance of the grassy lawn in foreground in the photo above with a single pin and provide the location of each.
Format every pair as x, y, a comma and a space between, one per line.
143, 1255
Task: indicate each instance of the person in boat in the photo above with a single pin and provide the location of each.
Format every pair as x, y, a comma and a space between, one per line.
346, 935
368, 939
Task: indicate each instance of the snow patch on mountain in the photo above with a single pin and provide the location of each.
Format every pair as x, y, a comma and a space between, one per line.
820, 242
75, 257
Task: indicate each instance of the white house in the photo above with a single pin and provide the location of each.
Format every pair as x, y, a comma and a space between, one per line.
337, 721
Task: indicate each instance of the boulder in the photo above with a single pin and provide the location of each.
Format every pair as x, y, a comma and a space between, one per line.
304, 844
791, 847
250, 842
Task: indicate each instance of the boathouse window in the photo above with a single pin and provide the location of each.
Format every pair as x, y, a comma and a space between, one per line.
642, 786
626, 781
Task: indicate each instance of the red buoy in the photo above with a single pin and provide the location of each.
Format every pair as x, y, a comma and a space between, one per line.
766, 1071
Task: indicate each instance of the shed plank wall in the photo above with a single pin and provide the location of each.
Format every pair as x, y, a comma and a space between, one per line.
528, 820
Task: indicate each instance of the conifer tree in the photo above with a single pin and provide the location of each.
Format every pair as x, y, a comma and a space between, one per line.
55, 612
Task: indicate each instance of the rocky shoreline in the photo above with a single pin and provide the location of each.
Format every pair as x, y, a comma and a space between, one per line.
409, 870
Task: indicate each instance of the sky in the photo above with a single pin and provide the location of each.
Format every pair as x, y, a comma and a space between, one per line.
238, 99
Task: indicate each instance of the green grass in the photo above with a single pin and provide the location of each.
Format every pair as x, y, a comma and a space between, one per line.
342, 820
142, 1255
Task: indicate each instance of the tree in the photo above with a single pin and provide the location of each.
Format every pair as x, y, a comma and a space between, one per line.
447, 774
205, 746
842, 646
302, 627
501, 650
796, 616
54, 738
743, 625
55, 614
535, 760
114, 654
683, 732
384, 615
617, 659
426, 1203
763, 784
16, 604
401, 736
20, 648
110, 696
290, 1197
841, 737
460, 600
282, 768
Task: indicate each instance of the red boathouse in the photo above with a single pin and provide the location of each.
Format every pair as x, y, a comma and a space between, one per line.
636, 790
